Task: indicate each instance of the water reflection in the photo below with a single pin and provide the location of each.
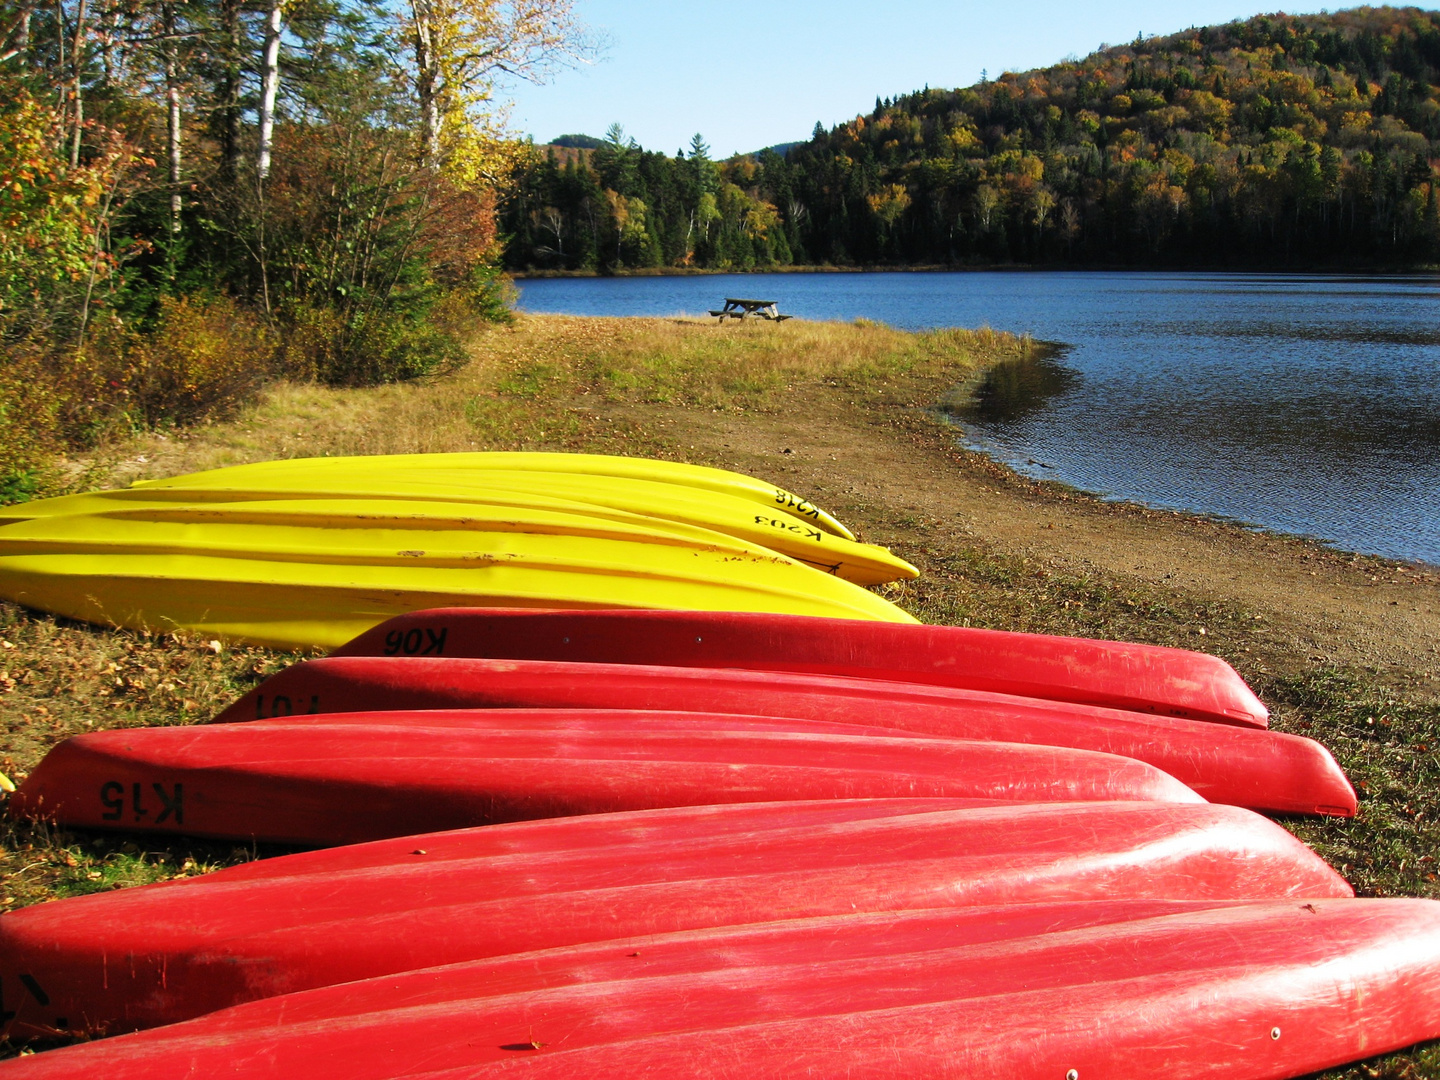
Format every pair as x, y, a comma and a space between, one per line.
1016, 389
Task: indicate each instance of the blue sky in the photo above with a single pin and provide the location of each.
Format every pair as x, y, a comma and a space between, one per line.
750, 73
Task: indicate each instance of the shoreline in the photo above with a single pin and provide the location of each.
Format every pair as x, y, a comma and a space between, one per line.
1320, 546
1307, 270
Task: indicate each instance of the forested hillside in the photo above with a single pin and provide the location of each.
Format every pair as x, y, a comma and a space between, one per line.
1284, 140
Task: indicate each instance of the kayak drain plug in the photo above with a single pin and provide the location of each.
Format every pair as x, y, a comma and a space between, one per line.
1274, 1033
1073, 1074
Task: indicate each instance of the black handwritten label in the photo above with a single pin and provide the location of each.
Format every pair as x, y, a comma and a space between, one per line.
172, 805
416, 641
795, 503
789, 526
281, 705
171, 802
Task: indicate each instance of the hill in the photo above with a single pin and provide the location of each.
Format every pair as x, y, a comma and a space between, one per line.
779, 148
578, 142
1280, 140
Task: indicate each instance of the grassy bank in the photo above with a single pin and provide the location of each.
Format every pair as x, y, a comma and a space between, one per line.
820, 407
577, 384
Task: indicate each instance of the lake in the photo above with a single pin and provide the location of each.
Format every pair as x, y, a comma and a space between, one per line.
1302, 404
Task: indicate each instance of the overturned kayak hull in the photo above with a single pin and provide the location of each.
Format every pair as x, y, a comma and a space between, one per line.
1118, 675
1246, 991
493, 498
351, 777
276, 576
156, 954
699, 478
1262, 770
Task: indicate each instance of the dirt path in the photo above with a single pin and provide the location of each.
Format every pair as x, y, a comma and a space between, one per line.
1318, 605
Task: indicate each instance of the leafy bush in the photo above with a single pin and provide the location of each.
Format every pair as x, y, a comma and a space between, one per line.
59, 261
203, 359
369, 347
490, 295
397, 305
27, 422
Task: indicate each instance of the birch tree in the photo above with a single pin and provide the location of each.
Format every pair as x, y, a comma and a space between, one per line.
171, 51
77, 73
461, 50
15, 33
269, 86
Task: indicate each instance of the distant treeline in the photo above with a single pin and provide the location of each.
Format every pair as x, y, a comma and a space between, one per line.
1283, 140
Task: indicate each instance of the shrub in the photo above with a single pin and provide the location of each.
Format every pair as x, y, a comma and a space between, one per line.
204, 358
28, 405
371, 347
489, 296
59, 256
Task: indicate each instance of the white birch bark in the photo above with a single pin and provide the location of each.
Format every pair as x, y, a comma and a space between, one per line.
77, 62
269, 86
427, 80
172, 96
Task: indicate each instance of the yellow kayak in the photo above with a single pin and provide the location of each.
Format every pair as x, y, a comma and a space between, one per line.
296, 573
699, 477
495, 492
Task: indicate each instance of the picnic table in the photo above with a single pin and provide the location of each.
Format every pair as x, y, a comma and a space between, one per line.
739, 308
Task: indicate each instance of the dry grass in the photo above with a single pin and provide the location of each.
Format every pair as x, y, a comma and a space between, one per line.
554, 383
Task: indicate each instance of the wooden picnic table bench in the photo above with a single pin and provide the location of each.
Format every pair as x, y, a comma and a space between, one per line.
739, 308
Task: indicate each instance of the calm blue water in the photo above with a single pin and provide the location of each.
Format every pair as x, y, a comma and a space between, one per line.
1307, 405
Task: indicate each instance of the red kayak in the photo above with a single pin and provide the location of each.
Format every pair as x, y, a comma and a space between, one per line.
1262, 770
1120, 990
349, 777
1115, 675
156, 954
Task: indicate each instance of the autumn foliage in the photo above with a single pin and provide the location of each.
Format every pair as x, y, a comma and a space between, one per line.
198, 197
1299, 141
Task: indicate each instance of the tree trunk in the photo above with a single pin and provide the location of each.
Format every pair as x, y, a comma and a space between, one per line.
15, 41
172, 97
427, 81
269, 87
229, 91
77, 62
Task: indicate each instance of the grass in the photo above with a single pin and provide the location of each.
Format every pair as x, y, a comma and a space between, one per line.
640, 386
558, 383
